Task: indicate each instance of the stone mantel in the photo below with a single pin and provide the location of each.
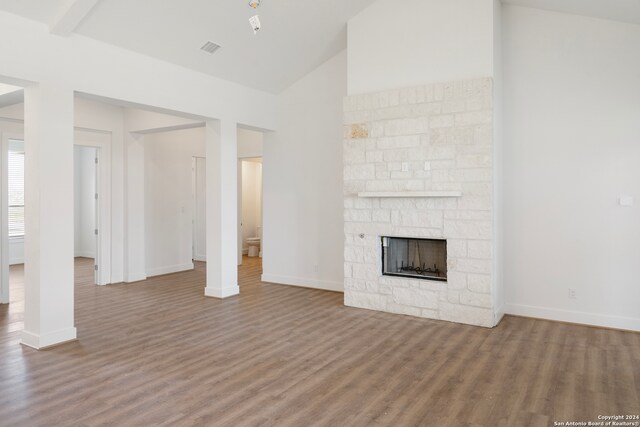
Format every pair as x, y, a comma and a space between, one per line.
411, 194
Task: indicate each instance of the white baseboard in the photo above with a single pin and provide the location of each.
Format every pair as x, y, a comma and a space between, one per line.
170, 269
324, 285
202, 258
591, 319
50, 339
134, 277
221, 293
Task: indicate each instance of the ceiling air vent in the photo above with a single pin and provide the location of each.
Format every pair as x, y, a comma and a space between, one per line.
210, 47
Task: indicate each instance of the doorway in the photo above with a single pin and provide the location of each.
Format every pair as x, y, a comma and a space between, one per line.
92, 202
13, 218
250, 207
199, 220
86, 231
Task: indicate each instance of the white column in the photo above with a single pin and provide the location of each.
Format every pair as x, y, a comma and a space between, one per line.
134, 239
222, 209
48, 254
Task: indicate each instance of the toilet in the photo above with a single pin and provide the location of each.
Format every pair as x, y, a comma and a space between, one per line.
254, 244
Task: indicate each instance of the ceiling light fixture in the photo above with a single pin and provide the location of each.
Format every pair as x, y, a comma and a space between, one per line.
254, 21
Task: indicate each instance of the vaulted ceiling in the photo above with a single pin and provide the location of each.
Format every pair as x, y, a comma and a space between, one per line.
296, 35
616, 10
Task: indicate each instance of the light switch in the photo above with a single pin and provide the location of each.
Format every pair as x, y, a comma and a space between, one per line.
626, 201
405, 167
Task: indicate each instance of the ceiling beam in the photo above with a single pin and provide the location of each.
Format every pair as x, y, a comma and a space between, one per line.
71, 16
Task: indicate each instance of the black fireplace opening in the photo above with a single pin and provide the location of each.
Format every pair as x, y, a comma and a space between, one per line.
416, 258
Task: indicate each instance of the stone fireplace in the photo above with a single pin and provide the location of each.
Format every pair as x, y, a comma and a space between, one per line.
418, 201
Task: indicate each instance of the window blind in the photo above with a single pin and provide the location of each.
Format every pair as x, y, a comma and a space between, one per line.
15, 182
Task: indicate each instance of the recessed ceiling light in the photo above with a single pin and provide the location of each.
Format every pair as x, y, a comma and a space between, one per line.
210, 47
254, 4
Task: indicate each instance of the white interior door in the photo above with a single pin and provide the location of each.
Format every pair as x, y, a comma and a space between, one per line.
101, 142
240, 225
200, 210
86, 209
96, 209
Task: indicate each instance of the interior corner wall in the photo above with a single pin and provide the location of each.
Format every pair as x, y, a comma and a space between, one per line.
572, 132
169, 199
401, 43
302, 176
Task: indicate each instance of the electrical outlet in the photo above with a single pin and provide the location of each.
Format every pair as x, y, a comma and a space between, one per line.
315, 268
572, 293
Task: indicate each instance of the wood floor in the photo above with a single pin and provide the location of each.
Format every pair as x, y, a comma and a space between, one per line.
159, 353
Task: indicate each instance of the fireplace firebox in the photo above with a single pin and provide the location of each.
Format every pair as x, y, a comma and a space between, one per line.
416, 258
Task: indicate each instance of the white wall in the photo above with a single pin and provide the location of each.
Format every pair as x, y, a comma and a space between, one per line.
84, 201
144, 121
572, 145
109, 119
498, 165
249, 143
302, 176
168, 189
12, 112
98, 116
251, 200
398, 43
16, 251
31, 54
200, 206
168, 198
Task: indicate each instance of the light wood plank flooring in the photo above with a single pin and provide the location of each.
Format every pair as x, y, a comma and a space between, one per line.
159, 353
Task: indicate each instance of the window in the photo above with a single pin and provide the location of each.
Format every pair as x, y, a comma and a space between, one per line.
15, 182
